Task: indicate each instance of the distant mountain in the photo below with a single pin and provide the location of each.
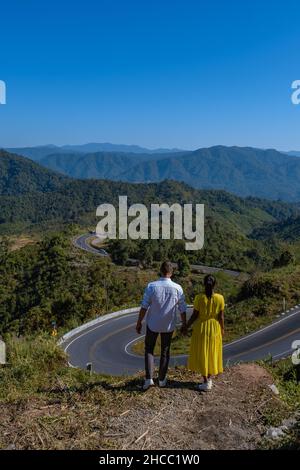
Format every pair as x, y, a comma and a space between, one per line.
100, 165
243, 171
107, 147
39, 152
34, 153
19, 175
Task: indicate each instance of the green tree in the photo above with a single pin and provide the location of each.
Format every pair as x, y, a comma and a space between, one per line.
285, 259
183, 265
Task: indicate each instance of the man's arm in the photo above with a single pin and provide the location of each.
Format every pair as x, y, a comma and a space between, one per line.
182, 310
183, 328
139, 322
144, 307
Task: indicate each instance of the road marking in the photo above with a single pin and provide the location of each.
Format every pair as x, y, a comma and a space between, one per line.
135, 340
262, 329
96, 327
283, 354
109, 335
266, 344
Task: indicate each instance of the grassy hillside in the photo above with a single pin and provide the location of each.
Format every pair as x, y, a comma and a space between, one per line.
44, 404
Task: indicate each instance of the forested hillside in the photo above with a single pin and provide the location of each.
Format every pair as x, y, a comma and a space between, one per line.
20, 175
287, 230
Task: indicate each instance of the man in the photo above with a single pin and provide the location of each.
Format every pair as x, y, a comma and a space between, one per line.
160, 302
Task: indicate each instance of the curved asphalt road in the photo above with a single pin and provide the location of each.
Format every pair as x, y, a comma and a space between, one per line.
108, 345
82, 242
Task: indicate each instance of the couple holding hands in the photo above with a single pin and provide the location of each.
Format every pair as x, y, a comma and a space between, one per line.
161, 300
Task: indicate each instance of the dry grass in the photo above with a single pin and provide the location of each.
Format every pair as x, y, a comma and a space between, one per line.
68, 409
19, 242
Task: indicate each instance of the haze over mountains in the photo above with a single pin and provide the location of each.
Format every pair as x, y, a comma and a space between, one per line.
294, 153
41, 151
244, 171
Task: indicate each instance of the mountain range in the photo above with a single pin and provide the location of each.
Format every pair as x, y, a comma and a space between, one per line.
244, 171
41, 151
38, 199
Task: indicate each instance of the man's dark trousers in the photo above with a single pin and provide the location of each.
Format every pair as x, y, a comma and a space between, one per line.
150, 341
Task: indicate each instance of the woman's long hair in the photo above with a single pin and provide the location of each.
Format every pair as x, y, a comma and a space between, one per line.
209, 284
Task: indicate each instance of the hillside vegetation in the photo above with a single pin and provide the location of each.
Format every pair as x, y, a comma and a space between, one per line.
287, 230
20, 175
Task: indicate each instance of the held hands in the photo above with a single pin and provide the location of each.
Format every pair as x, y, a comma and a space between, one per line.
184, 329
138, 327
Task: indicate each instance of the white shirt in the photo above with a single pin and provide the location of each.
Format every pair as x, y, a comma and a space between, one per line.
161, 298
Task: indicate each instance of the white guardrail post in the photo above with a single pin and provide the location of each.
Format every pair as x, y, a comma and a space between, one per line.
2, 352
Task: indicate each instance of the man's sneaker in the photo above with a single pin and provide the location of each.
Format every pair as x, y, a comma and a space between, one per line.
147, 384
205, 386
163, 383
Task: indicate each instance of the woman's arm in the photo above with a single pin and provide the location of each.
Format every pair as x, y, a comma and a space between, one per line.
222, 321
194, 317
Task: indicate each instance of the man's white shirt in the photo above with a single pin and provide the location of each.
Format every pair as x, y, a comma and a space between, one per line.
163, 298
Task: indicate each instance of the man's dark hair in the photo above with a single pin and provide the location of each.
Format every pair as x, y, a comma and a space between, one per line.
166, 268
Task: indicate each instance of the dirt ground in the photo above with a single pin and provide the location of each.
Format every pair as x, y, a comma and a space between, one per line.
122, 416
19, 242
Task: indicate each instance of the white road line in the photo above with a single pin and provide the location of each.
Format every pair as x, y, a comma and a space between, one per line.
289, 351
262, 329
96, 327
135, 340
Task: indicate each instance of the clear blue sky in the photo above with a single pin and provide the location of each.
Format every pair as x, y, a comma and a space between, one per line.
178, 73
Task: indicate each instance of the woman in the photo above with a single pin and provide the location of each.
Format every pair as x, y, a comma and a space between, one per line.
206, 351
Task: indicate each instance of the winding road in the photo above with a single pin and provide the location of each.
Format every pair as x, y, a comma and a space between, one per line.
83, 243
107, 342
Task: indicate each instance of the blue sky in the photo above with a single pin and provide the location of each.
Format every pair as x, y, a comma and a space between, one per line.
180, 73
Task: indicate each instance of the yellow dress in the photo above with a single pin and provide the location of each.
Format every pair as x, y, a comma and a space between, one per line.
206, 350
